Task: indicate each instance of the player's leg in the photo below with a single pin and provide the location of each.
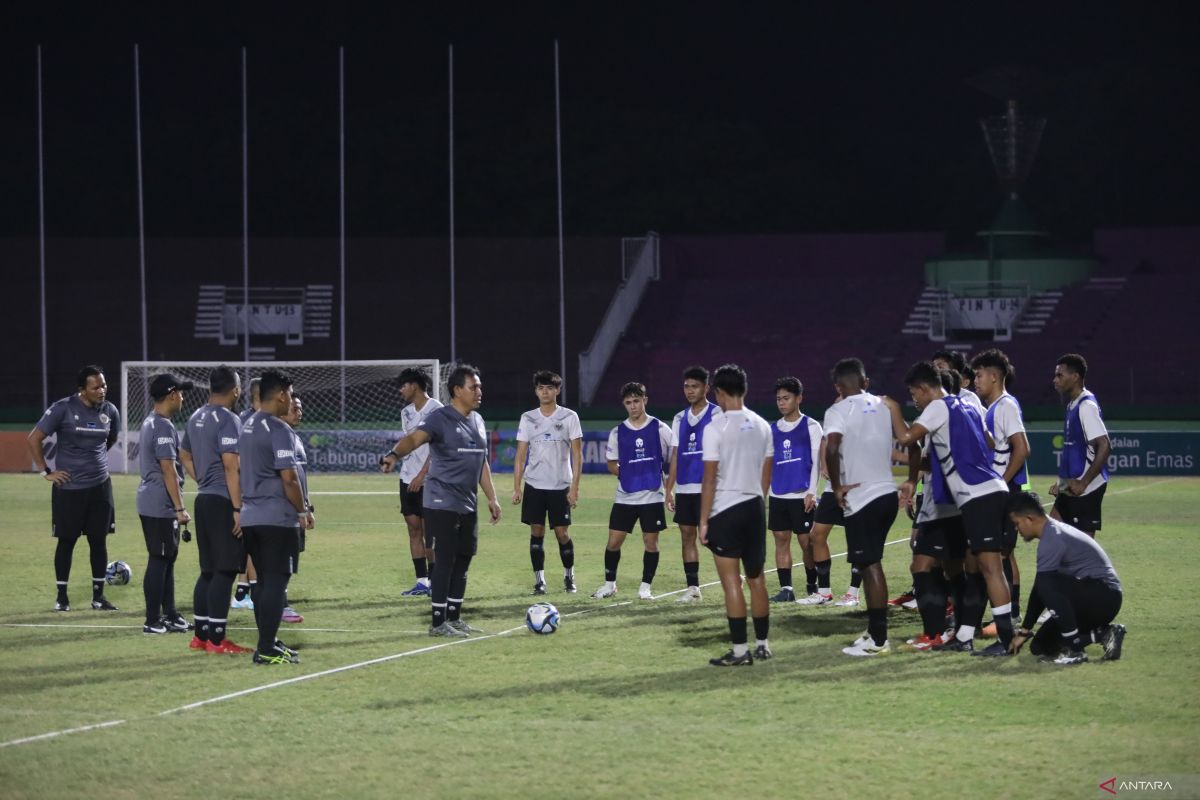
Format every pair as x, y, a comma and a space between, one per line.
155, 574
467, 544
620, 524
931, 599
983, 520
804, 539
64, 548
779, 523
866, 533
98, 524
224, 556
533, 514
441, 530
411, 511
822, 560
783, 564
752, 534
729, 573
175, 622
650, 557
559, 513
275, 557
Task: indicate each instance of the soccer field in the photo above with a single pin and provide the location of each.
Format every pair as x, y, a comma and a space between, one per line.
619, 703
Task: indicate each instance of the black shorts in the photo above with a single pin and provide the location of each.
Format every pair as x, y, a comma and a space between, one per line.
941, 539
538, 504
687, 509
410, 502
788, 514
450, 533
162, 536
272, 548
867, 529
1010, 537
983, 522
740, 531
651, 516
1081, 512
220, 550
828, 511
82, 511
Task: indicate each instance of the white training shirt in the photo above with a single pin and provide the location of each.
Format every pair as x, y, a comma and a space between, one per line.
866, 451
739, 442
1008, 423
549, 439
814, 438
410, 418
930, 510
676, 424
650, 495
936, 419
1093, 428
972, 399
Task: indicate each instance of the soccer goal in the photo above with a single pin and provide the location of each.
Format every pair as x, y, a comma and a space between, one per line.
355, 400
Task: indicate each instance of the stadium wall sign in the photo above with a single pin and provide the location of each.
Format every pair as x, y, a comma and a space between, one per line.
1133, 452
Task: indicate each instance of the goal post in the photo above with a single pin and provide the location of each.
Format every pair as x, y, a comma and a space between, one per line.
349, 406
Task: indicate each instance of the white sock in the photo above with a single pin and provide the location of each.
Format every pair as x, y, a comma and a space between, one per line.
852, 591
965, 633
761, 643
740, 650
423, 581
786, 587
568, 572
539, 576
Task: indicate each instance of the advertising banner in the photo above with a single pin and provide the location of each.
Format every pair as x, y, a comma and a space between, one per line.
1133, 452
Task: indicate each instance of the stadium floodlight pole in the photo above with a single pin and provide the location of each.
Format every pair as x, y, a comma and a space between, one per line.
42, 231
342, 213
562, 296
245, 220
453, 309
137, 113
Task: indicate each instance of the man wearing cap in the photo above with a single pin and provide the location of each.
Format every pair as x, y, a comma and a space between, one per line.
81, 500
160, 503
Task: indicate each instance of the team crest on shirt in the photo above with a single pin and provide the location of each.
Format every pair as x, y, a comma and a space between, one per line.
104, 419
558, 426
787, 448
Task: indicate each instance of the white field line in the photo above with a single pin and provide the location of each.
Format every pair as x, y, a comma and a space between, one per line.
297, 628
393, 657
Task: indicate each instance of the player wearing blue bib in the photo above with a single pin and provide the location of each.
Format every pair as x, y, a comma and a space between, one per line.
636, 453
1083, 468
796, 440
687, 470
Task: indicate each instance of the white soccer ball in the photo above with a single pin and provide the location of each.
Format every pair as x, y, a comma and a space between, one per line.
118, 573
542, 618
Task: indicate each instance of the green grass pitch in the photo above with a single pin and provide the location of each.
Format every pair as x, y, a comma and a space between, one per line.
619, 703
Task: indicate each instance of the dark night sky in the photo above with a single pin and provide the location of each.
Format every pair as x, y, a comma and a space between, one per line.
698, 118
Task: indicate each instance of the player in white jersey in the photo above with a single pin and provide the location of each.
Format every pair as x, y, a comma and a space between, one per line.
994, 374
858, 456
738, 459
551, 438
414, 391
793, 498
687, 470
637, 451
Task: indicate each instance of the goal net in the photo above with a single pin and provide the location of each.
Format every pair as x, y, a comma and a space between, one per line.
351, 408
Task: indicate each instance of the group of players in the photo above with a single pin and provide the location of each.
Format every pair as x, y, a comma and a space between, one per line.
712, 467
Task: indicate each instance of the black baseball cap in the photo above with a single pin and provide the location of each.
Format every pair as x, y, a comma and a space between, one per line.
164, 384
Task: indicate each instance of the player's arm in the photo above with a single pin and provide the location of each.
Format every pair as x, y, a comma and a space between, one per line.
58, 477
519, 470
1103, 449
403, 447
708, 492
232, 467
767, 469
489, 491
833, 463
1019, 443
189, 464
614, 467
576, 470
672, 476
113, 433
171, 482
292, 490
